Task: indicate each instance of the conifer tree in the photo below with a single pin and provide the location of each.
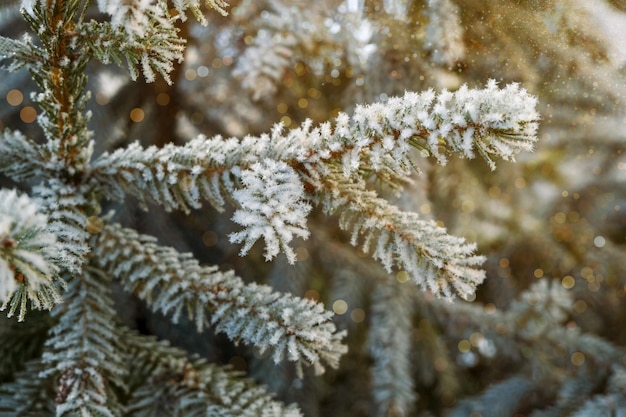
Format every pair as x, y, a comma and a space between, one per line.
320, 148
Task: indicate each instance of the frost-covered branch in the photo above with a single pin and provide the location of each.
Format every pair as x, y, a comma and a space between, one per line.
20, 158
62, 82
140, 33
262, 66
147, 40
536, 315
435, 260
534, 323
296, 329
66, 207
268, 192
134, 16
376, 140
28, 271
334, 38
20, 53
194, 6
83, 354
174, 177
272, 205
281, 33
493, 122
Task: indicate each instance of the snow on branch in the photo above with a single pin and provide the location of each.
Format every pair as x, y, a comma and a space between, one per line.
144, 36
175, 177
27, 254
65, 206
135, 15
20, 158
297, 329
21, 52
435, 260
492, 122
83, 352
39, 238
333, 162
272, 204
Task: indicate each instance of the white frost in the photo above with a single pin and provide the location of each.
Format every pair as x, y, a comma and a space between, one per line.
25, 246
272, 205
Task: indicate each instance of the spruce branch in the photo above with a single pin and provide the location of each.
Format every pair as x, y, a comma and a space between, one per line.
377, 139
536, 315
61, 77
268, 192
539, 308
66, 207
21, 158
84, 352
145, 39
296, 329
135, 16
599, 405
28, 268
287, 33
263, 65
20, 53
271, 199
491, 121
576, 393
272, 205
174, 177
435, 260
168, 382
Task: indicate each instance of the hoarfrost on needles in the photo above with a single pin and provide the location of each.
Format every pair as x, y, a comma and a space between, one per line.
28, 5
272, 205
26, 248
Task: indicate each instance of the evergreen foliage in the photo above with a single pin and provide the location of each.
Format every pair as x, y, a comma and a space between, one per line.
86, 288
